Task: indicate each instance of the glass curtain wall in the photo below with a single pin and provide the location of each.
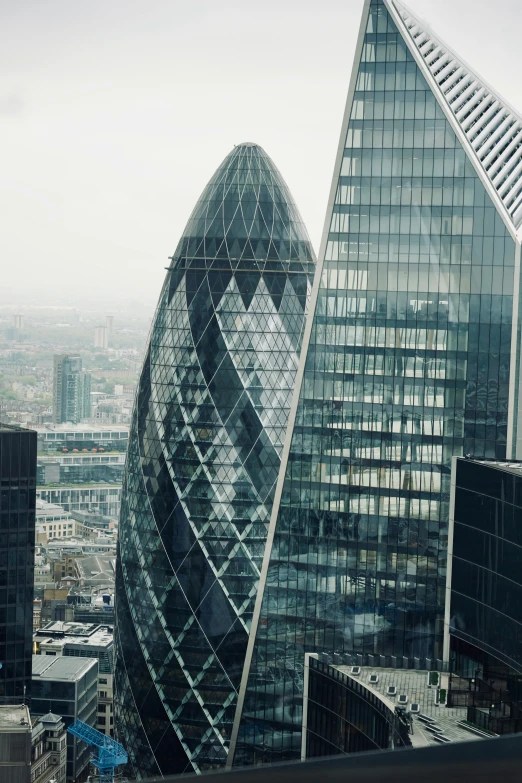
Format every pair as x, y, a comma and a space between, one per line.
408, 364
203, 459
17, 543
486, 581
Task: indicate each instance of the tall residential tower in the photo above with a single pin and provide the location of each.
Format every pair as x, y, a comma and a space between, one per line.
410, 355
204, 455
71, 390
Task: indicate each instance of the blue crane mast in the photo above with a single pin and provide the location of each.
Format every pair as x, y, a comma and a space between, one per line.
110, 753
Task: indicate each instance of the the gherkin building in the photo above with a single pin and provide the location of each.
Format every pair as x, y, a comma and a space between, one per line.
208, 428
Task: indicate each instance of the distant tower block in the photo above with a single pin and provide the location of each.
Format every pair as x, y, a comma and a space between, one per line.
109, 323
18, 321
101, 337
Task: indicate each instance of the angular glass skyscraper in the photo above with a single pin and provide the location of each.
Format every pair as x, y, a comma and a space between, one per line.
203, 459
410, 355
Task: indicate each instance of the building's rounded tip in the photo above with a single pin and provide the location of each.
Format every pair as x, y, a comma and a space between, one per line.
247, 144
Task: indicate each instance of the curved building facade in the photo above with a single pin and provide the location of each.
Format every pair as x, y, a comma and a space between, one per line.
204, 454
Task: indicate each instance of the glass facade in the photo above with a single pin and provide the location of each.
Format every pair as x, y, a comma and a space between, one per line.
343, 716
203, 459
17, 533
486, 580
68, 688
71, 390
408, 364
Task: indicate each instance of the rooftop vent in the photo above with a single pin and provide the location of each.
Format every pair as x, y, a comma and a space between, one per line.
414, 707
355, 671
391, 690
403, 699
373, 679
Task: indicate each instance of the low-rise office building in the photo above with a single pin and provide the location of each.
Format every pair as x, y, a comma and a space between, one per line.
82, 640
59, 437
68, 686
53, 522
80, 547
80, 466
104, 498
15, 744
48, 749
350, 708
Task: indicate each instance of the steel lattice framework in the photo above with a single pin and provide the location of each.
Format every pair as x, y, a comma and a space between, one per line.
110, 754
204, 455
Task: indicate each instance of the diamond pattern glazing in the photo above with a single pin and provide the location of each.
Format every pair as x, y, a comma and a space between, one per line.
203, 458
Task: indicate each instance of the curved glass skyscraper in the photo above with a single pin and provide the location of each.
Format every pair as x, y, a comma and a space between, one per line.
203, 459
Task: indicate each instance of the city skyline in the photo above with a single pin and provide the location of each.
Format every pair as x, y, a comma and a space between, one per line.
279, 503
96, 113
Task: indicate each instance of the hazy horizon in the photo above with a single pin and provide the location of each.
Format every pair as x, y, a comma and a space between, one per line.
114, 116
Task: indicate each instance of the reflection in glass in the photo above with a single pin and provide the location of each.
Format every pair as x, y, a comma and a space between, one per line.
203, 458
408, 364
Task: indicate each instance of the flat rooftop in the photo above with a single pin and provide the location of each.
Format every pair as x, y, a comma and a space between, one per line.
14, 717
414, 684
511, 465
13, 428
77, 543
48, 667
85, 634
44, 508
69, 427
95, 567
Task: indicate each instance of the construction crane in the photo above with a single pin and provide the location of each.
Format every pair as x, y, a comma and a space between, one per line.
110, 753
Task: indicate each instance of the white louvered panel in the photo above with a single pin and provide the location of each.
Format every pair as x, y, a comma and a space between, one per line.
476, 117
433, 55
440, 64
446, 72
463, 96
452, 81
496, 157
471, 105
492, 129
426, 47
460, 88
507, 184
504, 162
483, 147
517, 217
486, 124
517, 202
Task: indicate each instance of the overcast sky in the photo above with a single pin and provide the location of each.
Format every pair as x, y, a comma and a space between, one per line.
115, 113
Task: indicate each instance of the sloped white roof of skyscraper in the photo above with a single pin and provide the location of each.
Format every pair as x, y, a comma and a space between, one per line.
492, 128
